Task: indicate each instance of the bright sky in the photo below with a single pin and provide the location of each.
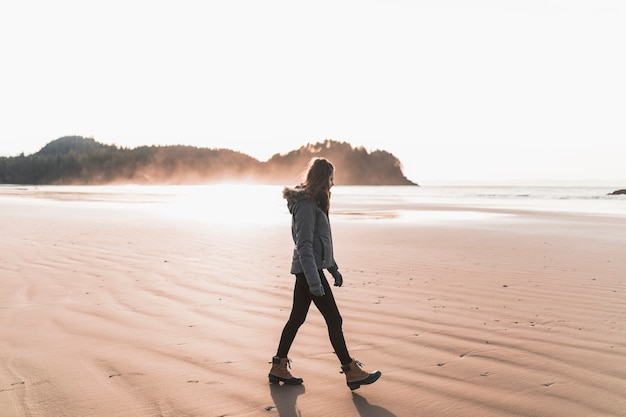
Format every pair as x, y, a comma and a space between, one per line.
456, 89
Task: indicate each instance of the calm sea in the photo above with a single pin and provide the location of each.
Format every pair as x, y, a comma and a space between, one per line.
261, 203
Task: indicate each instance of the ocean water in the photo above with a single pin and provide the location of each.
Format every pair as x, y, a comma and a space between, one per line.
584, 199
475, 202
243, 203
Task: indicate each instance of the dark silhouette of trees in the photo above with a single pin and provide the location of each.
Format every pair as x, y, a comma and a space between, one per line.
73, 144
78, 160
354, 166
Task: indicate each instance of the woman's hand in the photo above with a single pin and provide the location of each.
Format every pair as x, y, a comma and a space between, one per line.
337, 276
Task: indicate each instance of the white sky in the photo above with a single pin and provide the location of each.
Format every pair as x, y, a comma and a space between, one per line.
456, 89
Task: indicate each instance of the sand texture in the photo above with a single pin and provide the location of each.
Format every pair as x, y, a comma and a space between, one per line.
119, 311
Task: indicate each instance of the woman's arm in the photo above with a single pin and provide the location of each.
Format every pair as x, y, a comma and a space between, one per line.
304, 216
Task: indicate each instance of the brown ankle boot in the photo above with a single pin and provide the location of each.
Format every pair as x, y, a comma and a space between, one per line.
356, 376
280, 372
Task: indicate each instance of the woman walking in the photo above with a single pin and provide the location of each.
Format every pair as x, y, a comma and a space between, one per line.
309, 205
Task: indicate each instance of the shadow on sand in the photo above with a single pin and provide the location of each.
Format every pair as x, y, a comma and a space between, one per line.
285, 397
366, 409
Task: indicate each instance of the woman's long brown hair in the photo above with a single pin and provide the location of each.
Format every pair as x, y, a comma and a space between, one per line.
317, 182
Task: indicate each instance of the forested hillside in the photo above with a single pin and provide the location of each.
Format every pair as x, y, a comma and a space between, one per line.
78, 160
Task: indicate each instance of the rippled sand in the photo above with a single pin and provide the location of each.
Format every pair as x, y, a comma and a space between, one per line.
120, 310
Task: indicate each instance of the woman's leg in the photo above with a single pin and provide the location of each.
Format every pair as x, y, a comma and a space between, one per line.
328, 307
299, 310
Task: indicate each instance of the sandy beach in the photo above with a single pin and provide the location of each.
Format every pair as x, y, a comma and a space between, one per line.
114, 310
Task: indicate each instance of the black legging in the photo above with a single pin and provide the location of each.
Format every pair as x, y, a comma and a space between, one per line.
326, 305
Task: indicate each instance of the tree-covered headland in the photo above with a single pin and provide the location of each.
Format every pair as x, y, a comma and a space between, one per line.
75, 160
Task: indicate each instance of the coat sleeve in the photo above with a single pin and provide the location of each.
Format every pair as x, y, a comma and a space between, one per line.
304, 224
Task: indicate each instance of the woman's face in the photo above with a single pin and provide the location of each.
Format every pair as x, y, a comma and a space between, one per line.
331, 180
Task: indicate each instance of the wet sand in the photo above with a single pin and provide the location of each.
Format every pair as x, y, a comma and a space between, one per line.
119, 311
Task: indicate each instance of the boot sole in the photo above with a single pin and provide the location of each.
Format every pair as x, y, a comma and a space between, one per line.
370, 379
289, 381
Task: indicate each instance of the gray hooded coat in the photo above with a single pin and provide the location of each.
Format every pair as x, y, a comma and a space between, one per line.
310, 229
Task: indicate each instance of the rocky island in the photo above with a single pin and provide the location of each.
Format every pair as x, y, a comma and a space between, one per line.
617, 192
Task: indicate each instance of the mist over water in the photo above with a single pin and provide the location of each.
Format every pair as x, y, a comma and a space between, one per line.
263, 204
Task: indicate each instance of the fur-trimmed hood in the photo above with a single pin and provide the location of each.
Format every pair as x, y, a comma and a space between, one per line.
295, 195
